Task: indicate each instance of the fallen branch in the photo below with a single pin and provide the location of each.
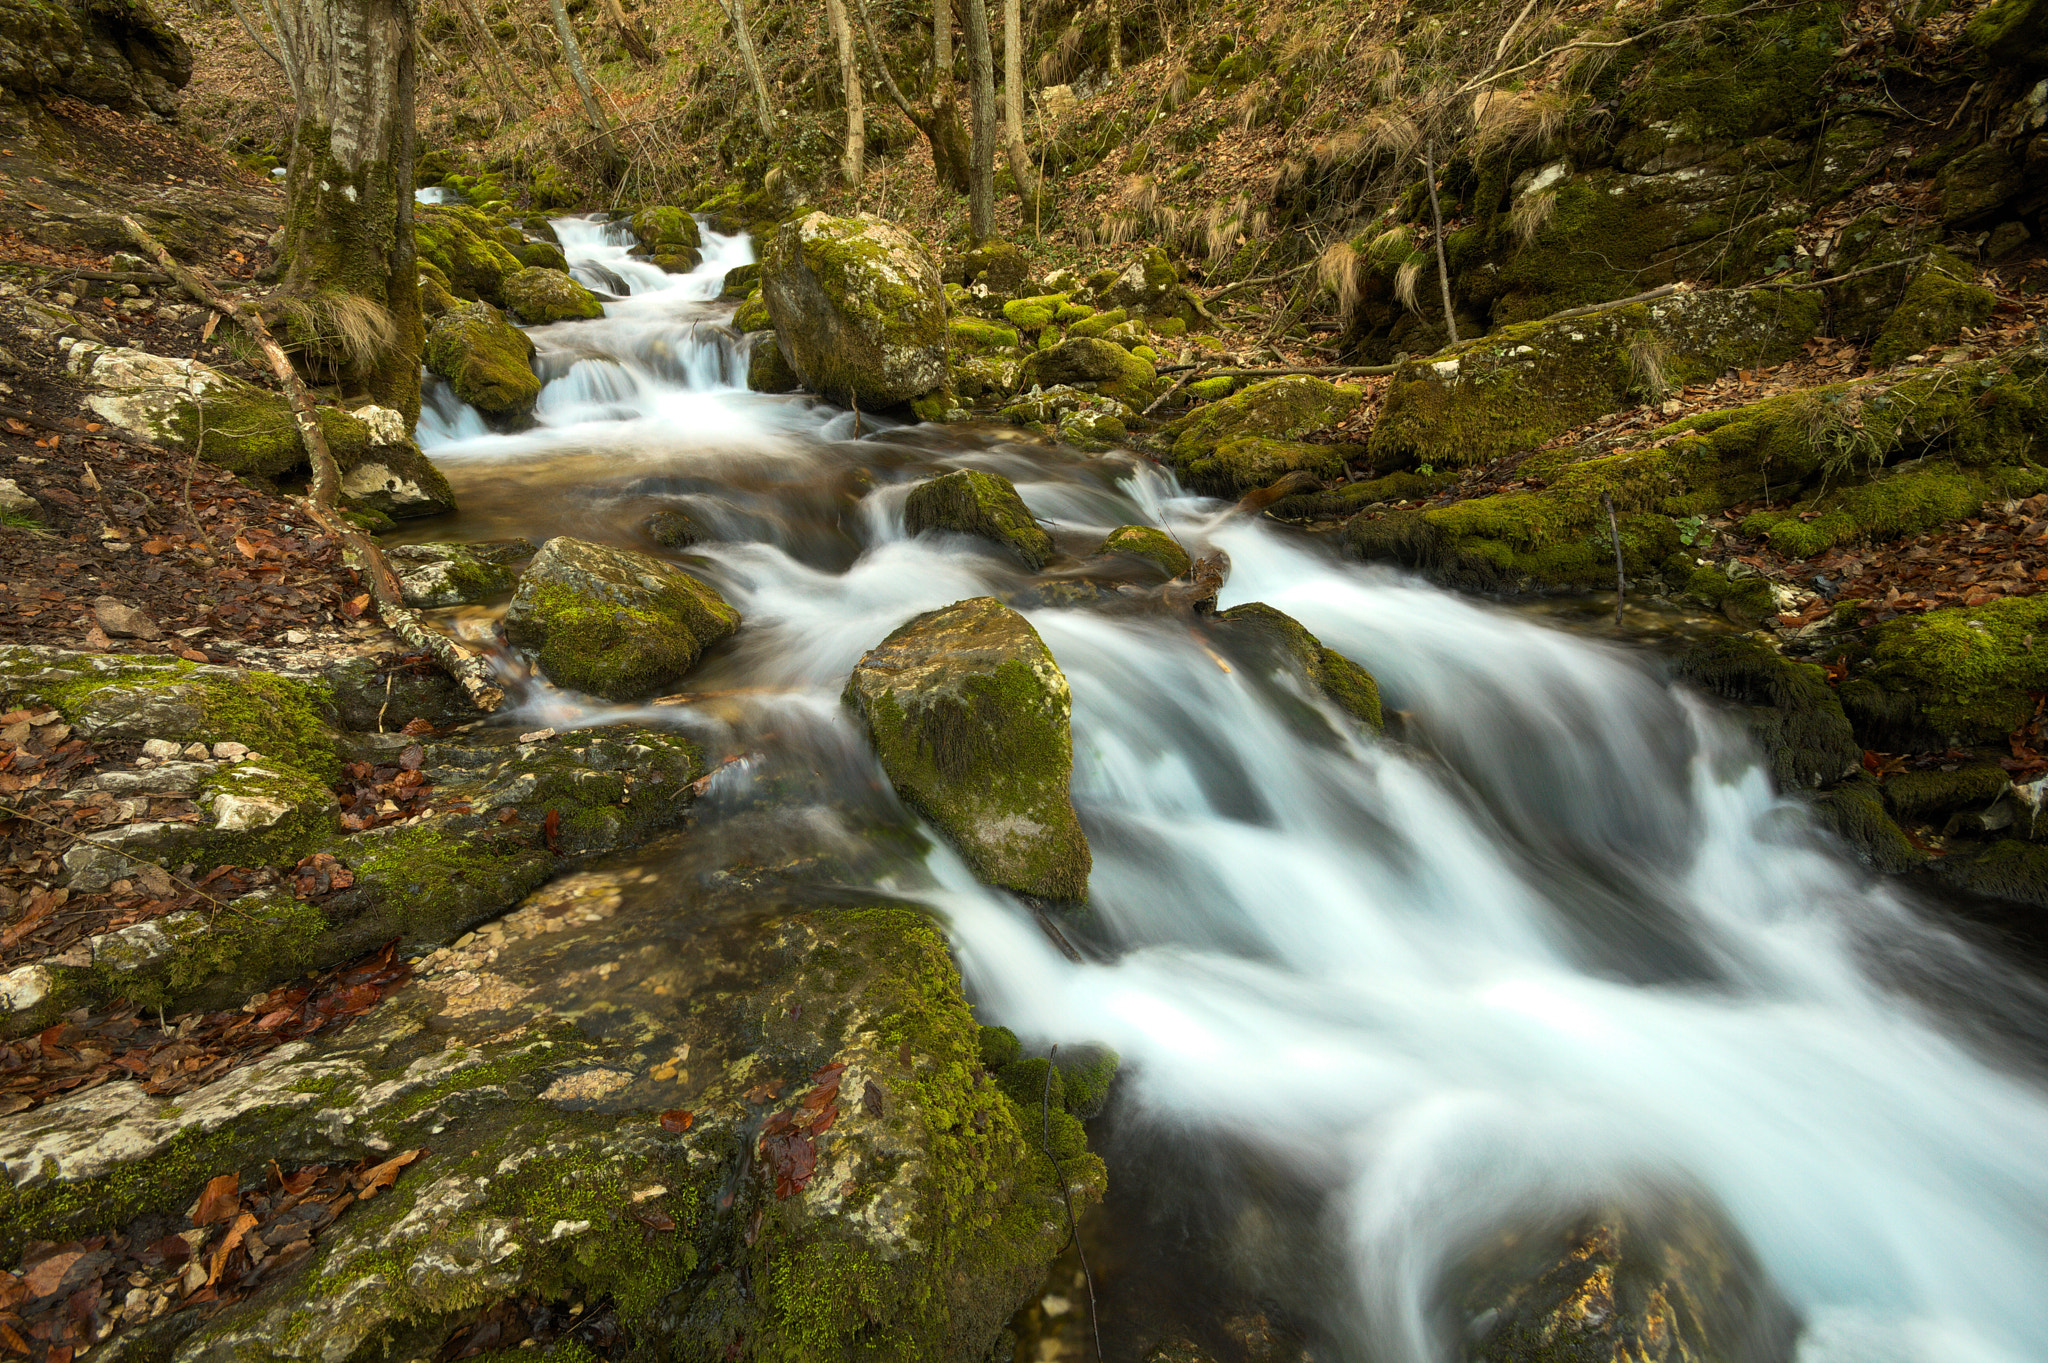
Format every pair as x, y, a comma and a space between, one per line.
469, 669
1230, 289
1832, 280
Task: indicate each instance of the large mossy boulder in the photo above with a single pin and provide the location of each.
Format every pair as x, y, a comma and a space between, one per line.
970, 717
1252, 439
668, 237
117, 54
1271, 642
1971, 671
1112, 370
473, 251
1512, 391
1943, 298
611, 622
858, 309
486, 360
986, 505
539, 296
576, 1137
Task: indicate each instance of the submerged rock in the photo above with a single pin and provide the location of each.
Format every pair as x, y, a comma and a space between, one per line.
971, 502
970, 717
611, 622
1155, 547
457, 574
540, 296
486, 360
1280, 642
858, 309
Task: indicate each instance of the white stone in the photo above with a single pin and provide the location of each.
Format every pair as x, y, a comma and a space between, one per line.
23, 987
241, 813
159, 748
14, 500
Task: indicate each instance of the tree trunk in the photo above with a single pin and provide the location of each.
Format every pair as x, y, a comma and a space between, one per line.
1116, 37
981, 77
950, 152
613, 161
348, 225
852, 165
630, 34
951, 169
1013, 106
743, 39
1436, 213
508, 74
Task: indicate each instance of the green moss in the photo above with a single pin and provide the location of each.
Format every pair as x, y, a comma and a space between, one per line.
1739, 78
1747, 601
768, 368
1034, 314
2009, 869
1209, 390
1152, 545
1943, 298
971, 502
1931, 796
1887, 508
753, 315
665, 226
1069, 312
1094, 323
973, 335
1031, 1081
861, 305
462, 244
1792, 712
1854, 811
619, 651
998, 1047
539, 296
1245, 463
487, 360
1971, 668
1262, 425
1085, 1075
2012, 32
1351, 498
1279, 641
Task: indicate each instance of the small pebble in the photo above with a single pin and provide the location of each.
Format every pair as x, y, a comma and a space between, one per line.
159, 747
536, 736
196, 752
226, 751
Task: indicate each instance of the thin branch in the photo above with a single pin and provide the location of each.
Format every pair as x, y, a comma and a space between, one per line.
1578, 44
1436, 213
1225, 292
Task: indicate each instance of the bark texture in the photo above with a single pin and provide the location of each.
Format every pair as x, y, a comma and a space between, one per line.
349, 229
1013, 106
853, 164
573, 51
743, 39
981, 76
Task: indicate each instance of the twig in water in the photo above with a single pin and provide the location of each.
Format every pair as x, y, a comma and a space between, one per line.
1620, 582
1073, 1227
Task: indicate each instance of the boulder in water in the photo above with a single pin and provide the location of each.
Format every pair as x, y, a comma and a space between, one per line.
611, 622
971, 502
474, 252
673, 528
665, 229
486, 360
1155, 547
1114, 371
1259, 633
537, 297
970, 716
433, 575
858, 309
767, 370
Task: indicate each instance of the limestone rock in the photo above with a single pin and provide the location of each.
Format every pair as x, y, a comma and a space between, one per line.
457, 574
611, 622
971, 502
858, 309
487, 360
120, 55
1943, 298
398, 480
665, 229
18, 504
970, 715
120, 621
1114, 371
539, 296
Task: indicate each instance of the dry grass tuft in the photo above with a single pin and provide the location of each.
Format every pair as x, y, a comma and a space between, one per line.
1408, 285
1337, 271
1530, 213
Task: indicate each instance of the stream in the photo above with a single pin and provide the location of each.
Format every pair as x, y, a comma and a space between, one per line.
1559, 947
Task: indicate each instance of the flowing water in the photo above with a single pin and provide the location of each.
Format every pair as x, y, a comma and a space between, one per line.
1559, 946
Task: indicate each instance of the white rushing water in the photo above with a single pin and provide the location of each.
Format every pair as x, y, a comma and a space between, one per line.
1565, 946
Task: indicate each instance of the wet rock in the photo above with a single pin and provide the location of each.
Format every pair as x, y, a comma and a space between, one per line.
1664, 1282
473, 251
858, 309
121, 621
396, 479
667, 232
486, 360
1248, 441
540, 296
971, 502
1155, 547
434, 575
535, 1080
1791, 710
768, 370
1114, 371
611, 622
673, 528
1275, 642
969, 715
740, 282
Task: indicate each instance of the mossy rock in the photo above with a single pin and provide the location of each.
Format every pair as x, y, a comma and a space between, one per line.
970, 717
986, 505
613, 623
1350, 498
1260, 427
1931, 796
1001, 267
984, 378
1154, 546
486, 360
1210, 390
538, 297
462, 244
1086, 1073
1099, 324
973, 335
752, 315
2009, 870
858, 309
1943, 298
439, 575
1744, 601
1113, 371
1791, 710
1034, 314
1854, 811
2012, 33
1095, 432
665, 229
1971, 669
1519, 387
768, 368
1272, 642
541, 255
1892, 505
741, 281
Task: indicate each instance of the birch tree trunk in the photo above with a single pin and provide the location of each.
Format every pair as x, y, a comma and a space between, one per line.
573, 51
743, 39
1013, 105
852, 164
981, 76
348, 225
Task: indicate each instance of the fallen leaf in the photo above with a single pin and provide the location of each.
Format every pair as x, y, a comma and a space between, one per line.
368, 1184
243, 1225
677, 1121
221, 1200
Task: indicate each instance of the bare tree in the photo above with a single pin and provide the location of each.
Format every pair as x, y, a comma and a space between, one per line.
1013, 105
1116, 36
631, 34
981, 81
348, 229
574, 53
949, 153
743, 39
851, 165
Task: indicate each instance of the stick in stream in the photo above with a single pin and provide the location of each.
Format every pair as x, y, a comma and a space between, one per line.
1620, 581
470, 670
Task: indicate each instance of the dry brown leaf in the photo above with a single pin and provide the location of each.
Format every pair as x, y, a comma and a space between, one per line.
221, 1200
369, 1183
